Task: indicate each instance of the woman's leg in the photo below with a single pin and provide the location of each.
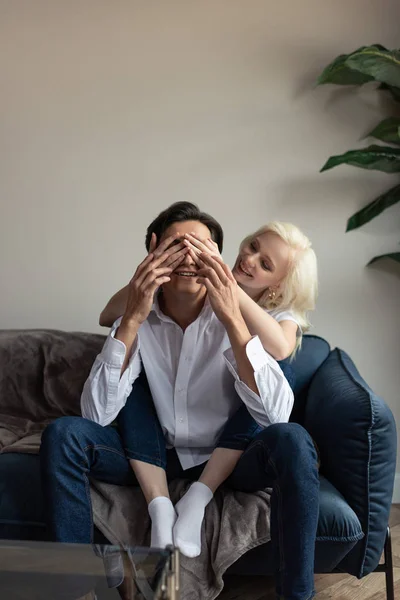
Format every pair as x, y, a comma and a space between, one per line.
283, 457
237, 435
235, 438
144, 444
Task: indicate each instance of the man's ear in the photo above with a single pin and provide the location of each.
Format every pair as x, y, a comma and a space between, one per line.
153, 243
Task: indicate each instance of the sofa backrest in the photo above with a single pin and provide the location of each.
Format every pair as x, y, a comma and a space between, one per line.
42, 372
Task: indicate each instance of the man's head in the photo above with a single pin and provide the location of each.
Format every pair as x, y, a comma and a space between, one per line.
179, 213
178, 219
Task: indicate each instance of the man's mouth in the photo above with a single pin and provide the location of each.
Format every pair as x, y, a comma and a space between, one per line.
242, 269
185, 273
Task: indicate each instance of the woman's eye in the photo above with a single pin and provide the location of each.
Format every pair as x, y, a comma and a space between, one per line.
265, 266
253, 248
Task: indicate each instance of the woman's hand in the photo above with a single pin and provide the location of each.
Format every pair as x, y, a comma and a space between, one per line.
152, 272
221, 287
196, 247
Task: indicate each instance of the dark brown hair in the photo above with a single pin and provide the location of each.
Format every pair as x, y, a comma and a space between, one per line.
184, 211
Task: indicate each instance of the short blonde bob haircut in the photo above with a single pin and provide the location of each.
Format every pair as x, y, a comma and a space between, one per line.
298, 291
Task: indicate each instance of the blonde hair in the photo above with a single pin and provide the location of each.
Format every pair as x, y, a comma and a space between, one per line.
298, 290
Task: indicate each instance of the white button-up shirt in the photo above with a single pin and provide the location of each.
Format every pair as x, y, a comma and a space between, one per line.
193, 379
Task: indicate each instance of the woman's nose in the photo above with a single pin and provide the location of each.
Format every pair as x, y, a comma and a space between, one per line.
251, 260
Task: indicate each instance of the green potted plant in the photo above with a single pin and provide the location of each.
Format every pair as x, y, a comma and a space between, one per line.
371, 63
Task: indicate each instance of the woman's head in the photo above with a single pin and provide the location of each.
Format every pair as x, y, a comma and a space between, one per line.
277, 267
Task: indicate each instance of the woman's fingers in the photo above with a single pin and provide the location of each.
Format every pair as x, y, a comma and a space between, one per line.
191, 239
177, 261
213, 264
211, 275
225, 267
142, 267
153, 242
172, 257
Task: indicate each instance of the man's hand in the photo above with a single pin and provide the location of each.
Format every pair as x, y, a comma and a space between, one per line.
222, 288
150, 274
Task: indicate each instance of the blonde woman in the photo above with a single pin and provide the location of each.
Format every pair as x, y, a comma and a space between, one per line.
276, 272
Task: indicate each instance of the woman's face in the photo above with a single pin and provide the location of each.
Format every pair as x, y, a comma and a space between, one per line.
263, 263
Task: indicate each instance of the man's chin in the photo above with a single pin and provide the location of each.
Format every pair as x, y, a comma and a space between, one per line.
190, 286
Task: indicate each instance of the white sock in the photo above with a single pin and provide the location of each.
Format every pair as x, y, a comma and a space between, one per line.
190, 509
163, 517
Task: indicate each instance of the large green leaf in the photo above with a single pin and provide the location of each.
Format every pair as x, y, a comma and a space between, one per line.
392, 255
338, 72
381, 158
395, 91
387, 131
381, 65
373, 209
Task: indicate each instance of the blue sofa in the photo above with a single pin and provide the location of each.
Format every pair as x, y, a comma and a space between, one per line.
356, 436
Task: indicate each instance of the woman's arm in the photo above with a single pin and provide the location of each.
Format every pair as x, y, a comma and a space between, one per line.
114, 308
278, 339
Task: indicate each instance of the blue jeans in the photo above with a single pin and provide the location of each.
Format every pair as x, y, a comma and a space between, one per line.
142, 435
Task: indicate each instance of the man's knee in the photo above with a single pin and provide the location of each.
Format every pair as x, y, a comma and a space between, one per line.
63, 430
291, 445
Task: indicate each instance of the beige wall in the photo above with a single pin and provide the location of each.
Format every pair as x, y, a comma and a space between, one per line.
111, 110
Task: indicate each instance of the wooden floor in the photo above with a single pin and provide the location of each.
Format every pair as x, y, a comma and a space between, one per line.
329, 587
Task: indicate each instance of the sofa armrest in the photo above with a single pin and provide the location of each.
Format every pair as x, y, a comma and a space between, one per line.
356, 435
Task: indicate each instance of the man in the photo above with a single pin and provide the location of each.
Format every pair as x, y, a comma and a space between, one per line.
201, 363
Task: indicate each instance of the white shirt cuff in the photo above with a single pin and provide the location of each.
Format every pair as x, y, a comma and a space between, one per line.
114, 351
256, 354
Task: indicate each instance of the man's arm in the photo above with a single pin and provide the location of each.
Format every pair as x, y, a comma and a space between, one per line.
118, 365
105, 391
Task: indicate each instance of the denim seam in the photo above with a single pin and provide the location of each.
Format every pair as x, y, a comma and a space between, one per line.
87, 482
145, 458
158, 442
350, 538
100, 447
266, 449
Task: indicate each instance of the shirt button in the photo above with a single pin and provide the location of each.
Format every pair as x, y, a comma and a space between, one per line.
181, 420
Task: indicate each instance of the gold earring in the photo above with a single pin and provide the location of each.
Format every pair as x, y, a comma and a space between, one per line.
272, 294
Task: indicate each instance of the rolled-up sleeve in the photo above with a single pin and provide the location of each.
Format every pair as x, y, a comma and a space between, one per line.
275, 400
105, 391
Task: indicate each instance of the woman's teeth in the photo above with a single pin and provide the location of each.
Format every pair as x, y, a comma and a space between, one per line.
244, 271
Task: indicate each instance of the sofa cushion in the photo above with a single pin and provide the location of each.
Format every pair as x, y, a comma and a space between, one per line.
338, 532
356, 435
42, 373
314, 351
21, 501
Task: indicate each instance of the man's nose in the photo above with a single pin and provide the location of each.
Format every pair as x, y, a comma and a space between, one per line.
188, 260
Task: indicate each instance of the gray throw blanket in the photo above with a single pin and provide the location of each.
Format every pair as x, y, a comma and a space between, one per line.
42, 373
